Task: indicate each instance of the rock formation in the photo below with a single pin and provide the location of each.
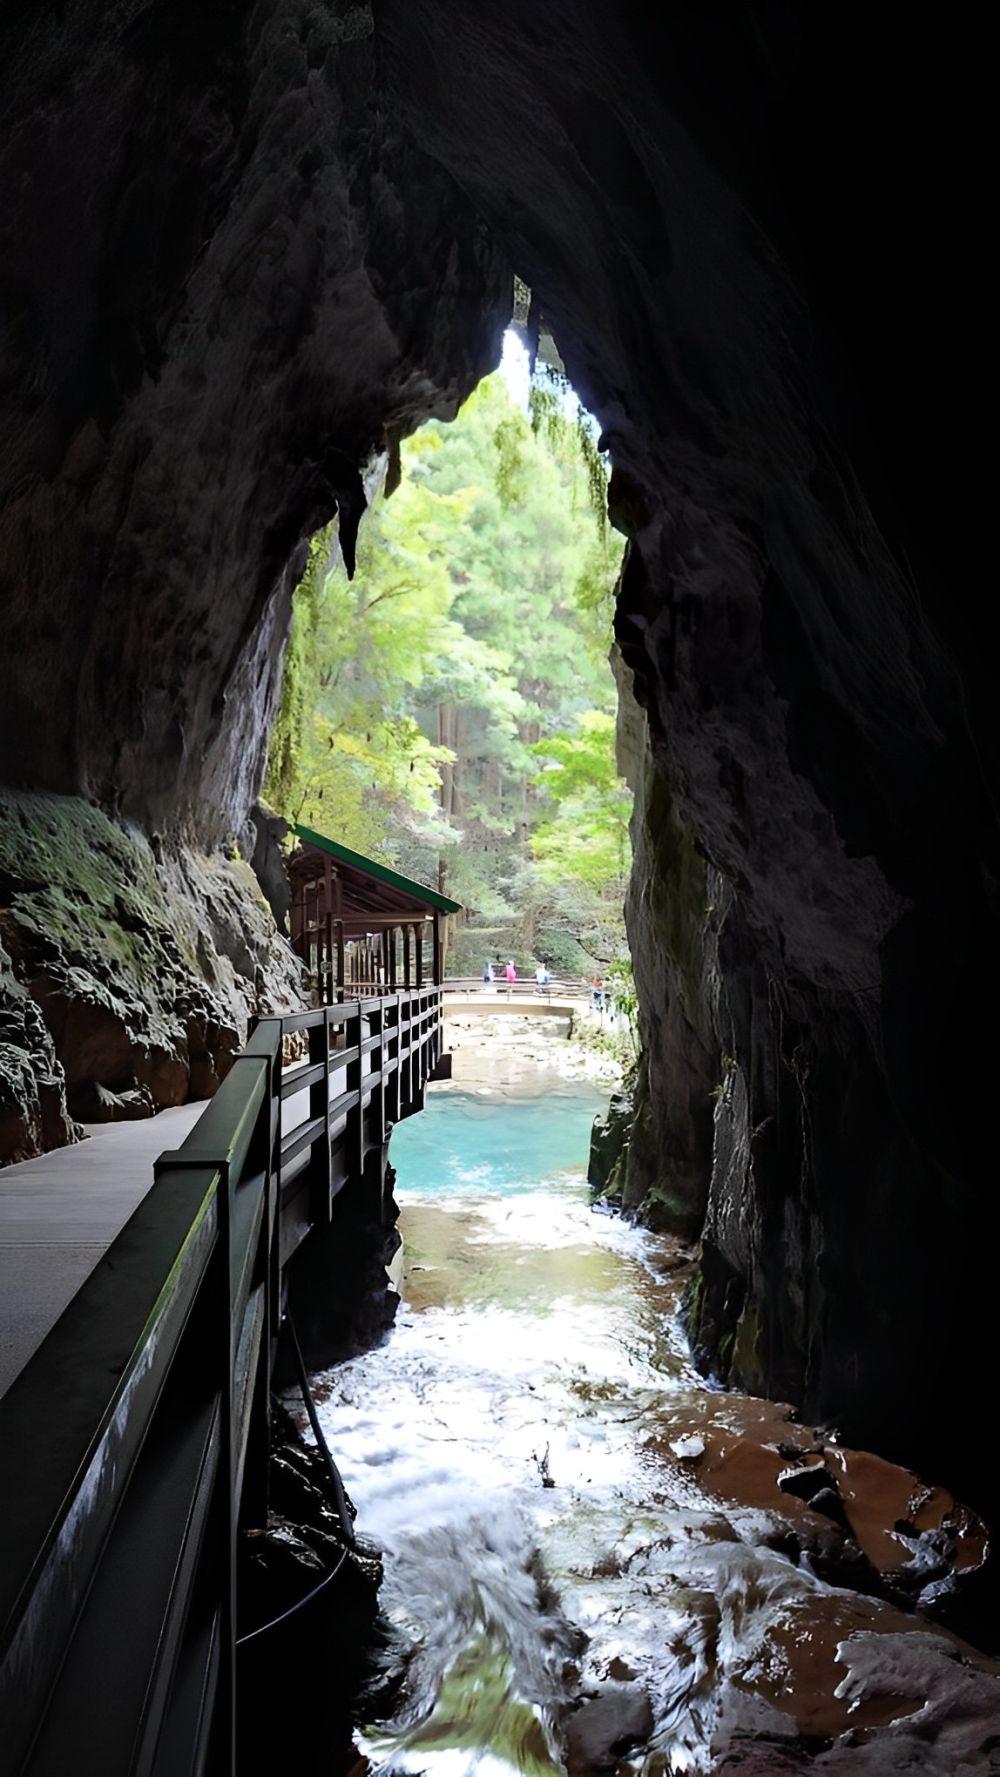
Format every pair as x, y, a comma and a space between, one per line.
131, 971
244, 249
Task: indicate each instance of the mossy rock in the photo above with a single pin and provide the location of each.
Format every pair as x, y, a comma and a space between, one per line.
143, 963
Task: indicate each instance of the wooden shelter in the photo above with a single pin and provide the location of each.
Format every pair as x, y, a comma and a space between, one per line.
360, 928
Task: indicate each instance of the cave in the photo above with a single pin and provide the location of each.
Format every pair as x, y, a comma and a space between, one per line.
246, 250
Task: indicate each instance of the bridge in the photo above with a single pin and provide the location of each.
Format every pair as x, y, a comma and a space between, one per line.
560, 998
135, 1422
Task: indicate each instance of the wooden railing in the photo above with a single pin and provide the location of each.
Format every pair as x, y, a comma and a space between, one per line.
135, 1443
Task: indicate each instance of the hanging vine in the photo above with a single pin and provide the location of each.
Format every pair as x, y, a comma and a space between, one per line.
550, 401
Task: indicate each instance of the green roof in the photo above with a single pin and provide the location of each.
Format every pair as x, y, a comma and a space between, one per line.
381, 872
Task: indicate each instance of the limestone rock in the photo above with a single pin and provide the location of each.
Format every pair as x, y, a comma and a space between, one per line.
264, 834
608, 1139
666, 1170
33, 1113
133, 969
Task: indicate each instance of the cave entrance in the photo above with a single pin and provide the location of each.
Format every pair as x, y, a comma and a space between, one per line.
449, 709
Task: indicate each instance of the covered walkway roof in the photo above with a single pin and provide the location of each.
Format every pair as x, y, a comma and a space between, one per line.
368, 887
355, 923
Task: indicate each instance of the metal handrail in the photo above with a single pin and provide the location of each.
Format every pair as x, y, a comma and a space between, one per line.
134, 1442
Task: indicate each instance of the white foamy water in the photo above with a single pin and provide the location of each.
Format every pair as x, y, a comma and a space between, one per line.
509, 1448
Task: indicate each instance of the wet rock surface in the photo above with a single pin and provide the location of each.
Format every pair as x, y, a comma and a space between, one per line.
664, 1177
608, 1144
589, 1558
604, 1727
322, 1648
338, 1291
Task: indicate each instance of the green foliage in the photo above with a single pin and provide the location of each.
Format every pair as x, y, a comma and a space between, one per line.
286, 747
581, 844
562, 953
451, 709
571, 435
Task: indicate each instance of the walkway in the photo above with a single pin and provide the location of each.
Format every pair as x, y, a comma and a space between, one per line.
142, 1324
60, 1213
530, 1006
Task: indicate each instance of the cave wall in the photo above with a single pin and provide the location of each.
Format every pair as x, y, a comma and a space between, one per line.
242, 249
227, 282
225, 275
663, 1178
725, 217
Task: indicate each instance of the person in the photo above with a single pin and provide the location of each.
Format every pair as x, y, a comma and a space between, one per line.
542, 978
487, 976
511, 974
598, 994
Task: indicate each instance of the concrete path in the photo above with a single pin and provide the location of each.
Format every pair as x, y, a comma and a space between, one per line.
60, 1213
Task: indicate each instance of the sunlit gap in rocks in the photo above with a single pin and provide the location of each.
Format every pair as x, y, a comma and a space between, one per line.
450, 700
593, 1556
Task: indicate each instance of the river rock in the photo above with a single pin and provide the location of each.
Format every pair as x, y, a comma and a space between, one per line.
326, 1648
606, 1725
764, 1761
819, 1488
608, 1138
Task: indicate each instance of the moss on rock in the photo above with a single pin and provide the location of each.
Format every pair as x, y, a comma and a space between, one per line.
134, 968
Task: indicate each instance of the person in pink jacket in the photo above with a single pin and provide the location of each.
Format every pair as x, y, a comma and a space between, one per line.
511, 974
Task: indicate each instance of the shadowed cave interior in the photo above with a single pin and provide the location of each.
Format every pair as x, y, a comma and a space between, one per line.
246, 250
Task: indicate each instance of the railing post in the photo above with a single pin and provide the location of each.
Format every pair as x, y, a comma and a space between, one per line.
435, 1048
253, 1503
226, 1484
274, 1196
356, 1118
319, 1106
378, 1092
272, 1181
397, 1074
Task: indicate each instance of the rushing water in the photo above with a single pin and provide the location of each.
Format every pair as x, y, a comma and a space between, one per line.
568, 1513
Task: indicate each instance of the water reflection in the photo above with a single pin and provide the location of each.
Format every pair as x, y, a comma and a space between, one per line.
574, 1591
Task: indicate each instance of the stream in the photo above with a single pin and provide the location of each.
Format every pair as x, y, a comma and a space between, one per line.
588, 1559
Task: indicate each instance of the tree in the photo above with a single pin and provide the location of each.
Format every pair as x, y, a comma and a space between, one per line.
451, 709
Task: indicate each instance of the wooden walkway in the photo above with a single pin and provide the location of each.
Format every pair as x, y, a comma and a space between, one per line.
60, 1213
144, 1281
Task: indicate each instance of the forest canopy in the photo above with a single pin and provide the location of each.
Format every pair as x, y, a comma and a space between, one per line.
451, 710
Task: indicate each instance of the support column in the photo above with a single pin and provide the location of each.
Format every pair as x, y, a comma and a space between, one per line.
355, 1143
319, 1106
